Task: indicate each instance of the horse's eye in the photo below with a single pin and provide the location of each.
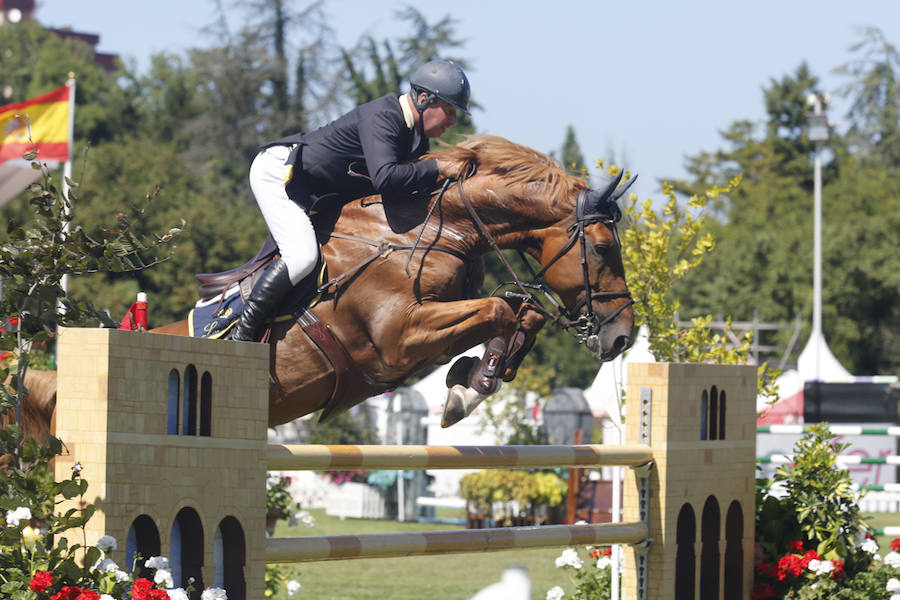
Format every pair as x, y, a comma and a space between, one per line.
601, 248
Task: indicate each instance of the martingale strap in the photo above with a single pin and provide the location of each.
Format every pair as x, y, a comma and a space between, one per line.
351, 385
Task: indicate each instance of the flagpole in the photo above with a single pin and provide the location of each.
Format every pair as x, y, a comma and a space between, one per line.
67, 171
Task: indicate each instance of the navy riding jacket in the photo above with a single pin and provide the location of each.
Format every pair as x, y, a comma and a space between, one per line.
367, 151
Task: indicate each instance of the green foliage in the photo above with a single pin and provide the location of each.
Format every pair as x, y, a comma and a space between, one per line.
659, 249
571, 156
815, 516
590, 571
531, 491
821, 495
343, 428
506, 411
763, 262
35, 546
279, 502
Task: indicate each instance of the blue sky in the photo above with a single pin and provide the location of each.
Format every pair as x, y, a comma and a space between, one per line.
646, 82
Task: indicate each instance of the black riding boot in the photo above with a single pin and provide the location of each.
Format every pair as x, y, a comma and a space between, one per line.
262, 303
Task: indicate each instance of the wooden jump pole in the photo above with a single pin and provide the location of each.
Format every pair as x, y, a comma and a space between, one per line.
320, 457
383, 545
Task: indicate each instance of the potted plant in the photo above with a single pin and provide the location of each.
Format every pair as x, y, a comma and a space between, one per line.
279, 502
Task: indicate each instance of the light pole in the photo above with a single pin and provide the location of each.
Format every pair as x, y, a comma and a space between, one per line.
817, 131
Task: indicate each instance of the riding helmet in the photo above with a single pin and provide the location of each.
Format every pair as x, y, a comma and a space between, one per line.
444, 79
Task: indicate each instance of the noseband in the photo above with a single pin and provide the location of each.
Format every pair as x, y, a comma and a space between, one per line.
590, 207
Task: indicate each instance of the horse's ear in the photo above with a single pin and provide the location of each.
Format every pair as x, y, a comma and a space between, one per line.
620, 191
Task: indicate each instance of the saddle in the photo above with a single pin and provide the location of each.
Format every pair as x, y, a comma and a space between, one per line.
246, 276
349, 379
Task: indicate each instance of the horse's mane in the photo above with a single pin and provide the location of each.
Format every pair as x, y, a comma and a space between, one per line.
518, 164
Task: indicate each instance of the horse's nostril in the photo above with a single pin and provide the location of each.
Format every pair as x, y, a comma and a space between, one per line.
622, 343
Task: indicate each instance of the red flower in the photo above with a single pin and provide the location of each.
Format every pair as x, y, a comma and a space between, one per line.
68, 592
88, 595
895, 545
156, 594
140, 589
810, 555
761, 591
595, 553
795, 546
41, 581
606, 552
789, 566
838, 571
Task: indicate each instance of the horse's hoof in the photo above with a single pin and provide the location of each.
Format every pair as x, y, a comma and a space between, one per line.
454, 407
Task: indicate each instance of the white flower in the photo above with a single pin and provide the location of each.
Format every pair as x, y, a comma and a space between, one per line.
569, 558
895, 597
893, 559
107, 543
555, 593
893, 585
122, 576
107, 565
293, 586
303, 517
106, 597
870, 546
821, 567
77, 468
213, 594
177, 594
603, 562
23, 513
157, 562
164, 578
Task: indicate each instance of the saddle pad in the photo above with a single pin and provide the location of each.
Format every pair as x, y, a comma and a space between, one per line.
214, 317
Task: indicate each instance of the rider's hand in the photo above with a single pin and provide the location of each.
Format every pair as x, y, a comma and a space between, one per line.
448, 169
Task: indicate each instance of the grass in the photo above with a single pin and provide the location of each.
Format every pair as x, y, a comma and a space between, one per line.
447, 577
883, 520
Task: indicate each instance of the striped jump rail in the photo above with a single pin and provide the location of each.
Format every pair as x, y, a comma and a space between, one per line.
835, 429
892, 531
321, 457
384, 545
785, 459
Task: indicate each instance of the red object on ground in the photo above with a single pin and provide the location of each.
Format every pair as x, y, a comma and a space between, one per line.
136, 317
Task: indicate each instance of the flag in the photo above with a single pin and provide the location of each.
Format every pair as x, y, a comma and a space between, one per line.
47, 120
40, 124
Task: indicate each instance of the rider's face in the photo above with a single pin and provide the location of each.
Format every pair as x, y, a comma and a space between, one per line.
437, 118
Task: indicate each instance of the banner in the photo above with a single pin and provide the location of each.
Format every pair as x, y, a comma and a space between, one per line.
40, 124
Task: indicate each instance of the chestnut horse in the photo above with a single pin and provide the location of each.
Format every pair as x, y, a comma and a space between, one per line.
397, 311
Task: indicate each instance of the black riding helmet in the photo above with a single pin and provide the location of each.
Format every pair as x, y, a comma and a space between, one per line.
442, 79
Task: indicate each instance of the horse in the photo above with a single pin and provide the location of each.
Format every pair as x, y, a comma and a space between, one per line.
405, 269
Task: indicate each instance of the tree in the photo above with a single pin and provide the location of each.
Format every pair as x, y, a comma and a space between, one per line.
571, 155
874, 94
764, 258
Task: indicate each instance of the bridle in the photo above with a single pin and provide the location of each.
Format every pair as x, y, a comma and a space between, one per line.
591, 207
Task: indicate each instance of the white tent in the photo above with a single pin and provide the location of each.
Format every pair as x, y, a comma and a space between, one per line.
603, 394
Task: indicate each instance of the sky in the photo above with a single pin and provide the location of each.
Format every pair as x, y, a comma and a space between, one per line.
646, 83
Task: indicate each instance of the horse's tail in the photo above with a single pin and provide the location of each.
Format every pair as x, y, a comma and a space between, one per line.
38, 405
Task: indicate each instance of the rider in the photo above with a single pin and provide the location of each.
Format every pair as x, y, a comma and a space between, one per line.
373, 149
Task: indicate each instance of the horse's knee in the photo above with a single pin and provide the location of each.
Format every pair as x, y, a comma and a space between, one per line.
502, 315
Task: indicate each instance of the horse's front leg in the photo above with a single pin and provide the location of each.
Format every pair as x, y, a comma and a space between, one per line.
432, 329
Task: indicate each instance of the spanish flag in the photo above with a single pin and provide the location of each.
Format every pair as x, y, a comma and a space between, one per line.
40, 124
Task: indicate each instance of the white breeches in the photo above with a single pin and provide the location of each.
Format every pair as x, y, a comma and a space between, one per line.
287, 220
